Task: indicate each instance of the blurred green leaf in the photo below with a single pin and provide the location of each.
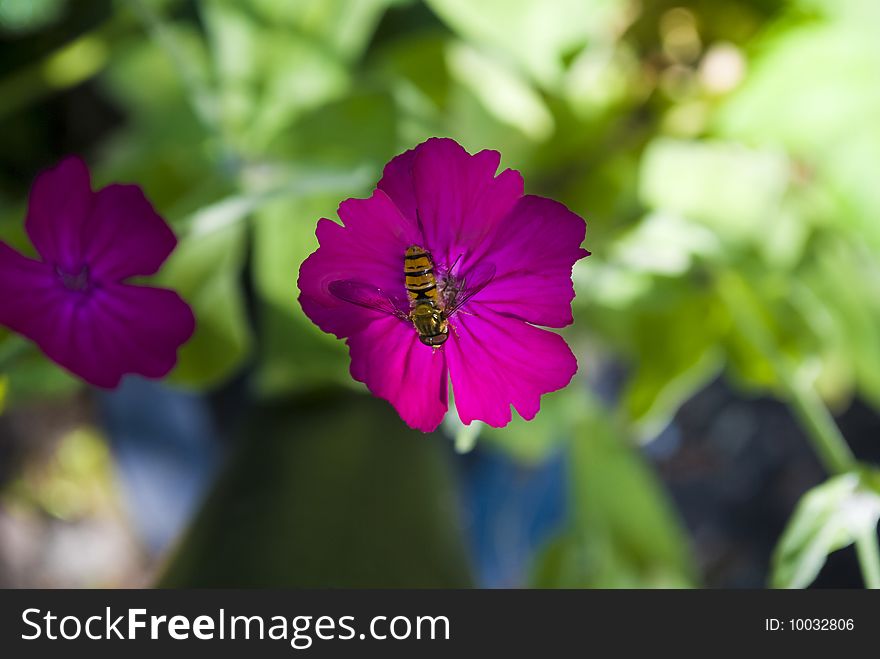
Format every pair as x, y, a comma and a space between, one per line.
502, 91
767, 328
852, 10
812, 86
344, 26
247, 58
536, 34
665, 244
295, 353
531, 442
813, 89
28, 15
668, 332
274, 63
136, 60
837, 295
829, 517
327, 492
333, 136
735, 190
205, 270
27, 374
623, 532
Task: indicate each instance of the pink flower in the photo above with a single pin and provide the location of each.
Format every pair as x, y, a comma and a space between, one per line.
74, 302
501, 263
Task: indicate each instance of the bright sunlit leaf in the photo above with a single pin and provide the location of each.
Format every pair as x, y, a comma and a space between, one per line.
829, 517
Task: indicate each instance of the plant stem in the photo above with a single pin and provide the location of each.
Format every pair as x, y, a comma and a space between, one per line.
819, 425
869, 558
809, 409
812, 413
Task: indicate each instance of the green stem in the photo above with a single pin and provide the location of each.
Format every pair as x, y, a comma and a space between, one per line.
821, 430
869, 558
812, 413
809, 409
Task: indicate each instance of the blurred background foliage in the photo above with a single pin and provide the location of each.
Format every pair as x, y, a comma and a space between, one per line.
723, 154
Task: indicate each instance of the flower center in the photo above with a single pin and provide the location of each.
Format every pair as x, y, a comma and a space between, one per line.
80, 281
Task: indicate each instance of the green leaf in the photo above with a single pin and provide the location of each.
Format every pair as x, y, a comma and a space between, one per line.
842, 307
331, 492
345, 26
205, 270
262, 92
624, 532
297, 353
537, 35
679, 330
665, 244
829, 517
27, 374
533, 441
29, 15
812, 87
334, 136
735, 190
502, 91
767, 327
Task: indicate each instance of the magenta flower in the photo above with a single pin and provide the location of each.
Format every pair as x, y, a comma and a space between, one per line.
74, 302
445, 272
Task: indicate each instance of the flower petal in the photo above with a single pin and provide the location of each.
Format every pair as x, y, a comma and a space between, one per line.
397, 182
124, 237
369, 248
99, 335
496, 361
31, 291
125, 329
388, 357
458, 196
533, 250
58, 208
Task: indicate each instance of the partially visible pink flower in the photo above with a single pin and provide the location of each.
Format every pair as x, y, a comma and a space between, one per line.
451, 203
74, 302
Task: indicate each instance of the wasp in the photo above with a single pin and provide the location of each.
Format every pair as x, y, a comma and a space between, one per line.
434, 296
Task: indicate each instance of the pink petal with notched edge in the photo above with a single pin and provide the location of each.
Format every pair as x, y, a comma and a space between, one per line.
388, 357
59, 205
123, 236
458, 196
533, 250
368, 249
397, 182
495, 361
495, 356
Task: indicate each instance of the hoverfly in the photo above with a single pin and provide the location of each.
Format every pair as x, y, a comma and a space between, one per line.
433, 297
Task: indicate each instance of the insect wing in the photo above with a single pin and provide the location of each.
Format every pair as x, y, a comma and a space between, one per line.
476, 281
364, 295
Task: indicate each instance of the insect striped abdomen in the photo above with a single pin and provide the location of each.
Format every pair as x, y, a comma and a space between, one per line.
421, 285
426, 306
